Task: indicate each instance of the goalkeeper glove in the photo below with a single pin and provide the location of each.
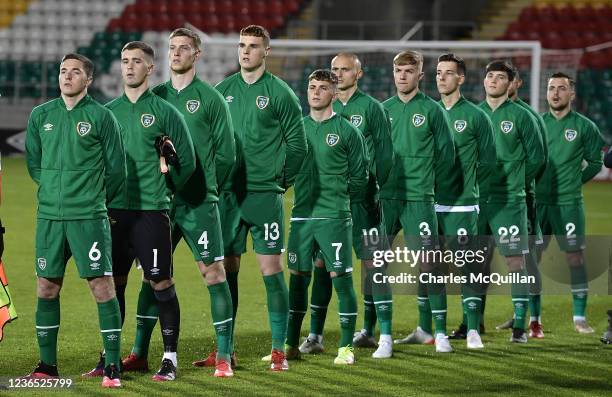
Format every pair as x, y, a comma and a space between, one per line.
167, 153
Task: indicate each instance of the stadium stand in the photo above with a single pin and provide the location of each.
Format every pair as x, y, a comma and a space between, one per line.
35, 34
52, 28
575, 25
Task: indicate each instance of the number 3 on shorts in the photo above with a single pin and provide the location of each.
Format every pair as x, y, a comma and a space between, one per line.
271, 231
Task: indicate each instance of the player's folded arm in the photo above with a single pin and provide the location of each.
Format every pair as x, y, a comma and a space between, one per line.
487, 154
224, 142
383, 144
357, 162
33, 147
593, 145
532, 144
115, 168
177, 131
444, 145
294, 136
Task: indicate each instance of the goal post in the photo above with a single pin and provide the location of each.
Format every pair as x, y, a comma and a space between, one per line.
291, 60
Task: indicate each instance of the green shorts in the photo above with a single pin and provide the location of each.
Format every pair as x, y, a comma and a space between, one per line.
507, 223
533, 225
200, 226
565, 222
261, 213
87, 240
417, 219
367, 229
458, 225
332, 237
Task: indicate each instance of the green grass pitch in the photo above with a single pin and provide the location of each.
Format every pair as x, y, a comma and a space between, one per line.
562, 364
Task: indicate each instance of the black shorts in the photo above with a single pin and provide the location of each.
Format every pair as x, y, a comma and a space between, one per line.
142, 235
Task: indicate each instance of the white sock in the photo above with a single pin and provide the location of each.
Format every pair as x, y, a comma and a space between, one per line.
171, 356
578, 318
385, 338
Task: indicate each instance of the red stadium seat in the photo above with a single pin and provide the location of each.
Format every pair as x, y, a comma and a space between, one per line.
528, 14
227, 24
275, 7
209, 24
240, 7
178, 7
244, 20
291, 6
567, 14
224, 7
574, 40
147, 7
259, 7
114, 25
548, 13
207, 8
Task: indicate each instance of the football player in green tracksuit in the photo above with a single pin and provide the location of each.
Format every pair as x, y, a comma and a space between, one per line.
335, 170
457, 188
194, 213
140, 223
422, 141
368, 115
76, 157
270, 148
503, 211
573, 140
535, 232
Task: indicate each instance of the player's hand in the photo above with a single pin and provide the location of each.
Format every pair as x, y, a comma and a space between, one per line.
167, 153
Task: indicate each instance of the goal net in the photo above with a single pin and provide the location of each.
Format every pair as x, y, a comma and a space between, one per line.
293, 60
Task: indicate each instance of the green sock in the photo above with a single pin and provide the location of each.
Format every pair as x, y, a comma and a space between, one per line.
483, 302
221, 310
369, 314
298, 300
146, 318
383, 304
578, 278
47, 327
438, 305
232, 282
384, 311
278, 308
347, 307
110, 327
520, 299
471, 310
535, 290
424, 308
369, 311
321, 296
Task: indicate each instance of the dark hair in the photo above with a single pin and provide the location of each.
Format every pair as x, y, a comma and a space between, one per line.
561, 75
88, 65
324, 75
197, 42
140, 45
450, 57
257, 31
501, 66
